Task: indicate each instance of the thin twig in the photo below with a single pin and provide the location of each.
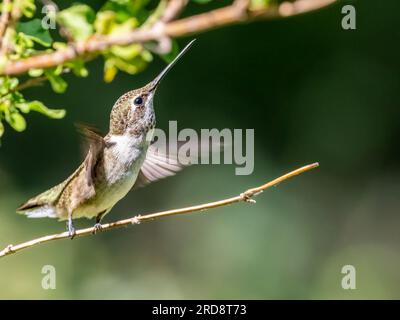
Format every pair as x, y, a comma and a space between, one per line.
173, 9
245, 196
237, 12
166, 11
32, 82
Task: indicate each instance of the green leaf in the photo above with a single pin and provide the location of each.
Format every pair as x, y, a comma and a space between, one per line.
126, 9
78, 20
131, 66
1, 129
24, 107
78, 67
58, 70
126, 52
110, 70
41, 108
104, 22
35, 72
7, 84
13, 83
57, 83
146, 56
27, 7
16, 97
59, 45
259, 4
23, 45
107, 23
33, 29
3, 86
16, 121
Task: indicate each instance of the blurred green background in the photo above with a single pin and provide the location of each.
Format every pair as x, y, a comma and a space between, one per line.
312, 92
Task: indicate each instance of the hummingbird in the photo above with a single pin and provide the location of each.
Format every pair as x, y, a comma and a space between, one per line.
123, 159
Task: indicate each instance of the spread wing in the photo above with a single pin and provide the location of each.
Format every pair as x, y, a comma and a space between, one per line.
161, 164
96, 145
85, 188
85, 171
156, 166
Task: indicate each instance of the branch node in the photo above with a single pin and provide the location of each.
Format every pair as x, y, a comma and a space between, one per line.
9, 250
136, 219
247, 196
163, 45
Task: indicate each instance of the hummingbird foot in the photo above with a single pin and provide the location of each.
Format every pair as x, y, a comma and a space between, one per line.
97, 228
71, 229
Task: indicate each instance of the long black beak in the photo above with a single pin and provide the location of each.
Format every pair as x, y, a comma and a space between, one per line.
157, 80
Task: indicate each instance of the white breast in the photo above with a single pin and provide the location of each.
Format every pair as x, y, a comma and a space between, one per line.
128, 154
125, 158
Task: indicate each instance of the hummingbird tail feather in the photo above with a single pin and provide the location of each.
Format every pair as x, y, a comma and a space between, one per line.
45, 211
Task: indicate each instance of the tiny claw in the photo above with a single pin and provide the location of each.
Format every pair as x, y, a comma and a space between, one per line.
72, 233
97, 228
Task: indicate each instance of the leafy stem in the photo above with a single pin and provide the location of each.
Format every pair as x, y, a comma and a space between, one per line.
125, 33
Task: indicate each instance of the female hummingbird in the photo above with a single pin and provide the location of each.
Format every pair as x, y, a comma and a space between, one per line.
123, 159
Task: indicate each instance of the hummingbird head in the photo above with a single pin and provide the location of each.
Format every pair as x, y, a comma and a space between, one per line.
133, 112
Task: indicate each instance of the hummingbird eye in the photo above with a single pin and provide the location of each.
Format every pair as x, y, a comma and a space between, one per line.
138, 101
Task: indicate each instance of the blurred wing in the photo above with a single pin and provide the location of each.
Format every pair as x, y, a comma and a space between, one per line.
157, 166
84, 188
96, 144
85, 173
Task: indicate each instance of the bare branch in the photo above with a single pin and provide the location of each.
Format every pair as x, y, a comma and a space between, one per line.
237, 12
245, 196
